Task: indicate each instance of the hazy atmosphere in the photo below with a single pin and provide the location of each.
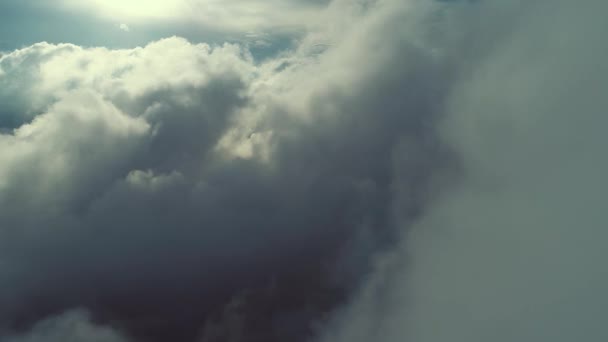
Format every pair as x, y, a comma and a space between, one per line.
303, 171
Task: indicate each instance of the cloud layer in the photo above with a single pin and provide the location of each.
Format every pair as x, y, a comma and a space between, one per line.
410, 170
171, 188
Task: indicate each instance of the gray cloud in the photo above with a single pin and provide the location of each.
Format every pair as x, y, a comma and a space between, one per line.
514, 251
155, 186
184, 192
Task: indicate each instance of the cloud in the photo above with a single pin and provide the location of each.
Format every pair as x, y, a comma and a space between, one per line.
409, 170
153, 186
124, 27
514, 250
73, 326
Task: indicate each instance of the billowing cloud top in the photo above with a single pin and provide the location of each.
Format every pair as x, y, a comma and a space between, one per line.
409, 170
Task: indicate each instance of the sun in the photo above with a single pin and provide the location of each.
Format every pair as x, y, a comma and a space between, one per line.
131, 9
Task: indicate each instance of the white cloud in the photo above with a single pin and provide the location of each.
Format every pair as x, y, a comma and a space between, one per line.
124, 27
90, 93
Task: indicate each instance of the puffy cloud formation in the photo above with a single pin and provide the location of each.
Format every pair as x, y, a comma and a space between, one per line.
187, 192
170, 188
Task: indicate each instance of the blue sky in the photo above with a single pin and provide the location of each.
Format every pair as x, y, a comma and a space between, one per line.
23, 23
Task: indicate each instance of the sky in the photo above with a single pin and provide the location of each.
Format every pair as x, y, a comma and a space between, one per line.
128, 24
307, 171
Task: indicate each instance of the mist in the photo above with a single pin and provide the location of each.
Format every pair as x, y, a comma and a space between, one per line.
515, 249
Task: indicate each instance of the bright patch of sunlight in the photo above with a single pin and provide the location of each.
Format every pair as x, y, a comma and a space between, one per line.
131, 9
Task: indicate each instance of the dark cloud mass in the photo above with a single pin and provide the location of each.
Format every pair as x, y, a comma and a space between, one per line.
404, 161
180, 191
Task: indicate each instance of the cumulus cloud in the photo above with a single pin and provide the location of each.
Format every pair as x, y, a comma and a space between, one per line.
514, 251
155, 186
184, 192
